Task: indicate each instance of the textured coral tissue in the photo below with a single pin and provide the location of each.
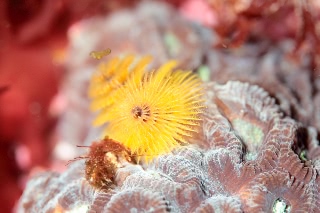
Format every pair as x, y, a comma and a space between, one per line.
251, 159
250, 154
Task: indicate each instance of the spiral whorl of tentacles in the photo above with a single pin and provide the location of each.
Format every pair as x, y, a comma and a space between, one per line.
148, 112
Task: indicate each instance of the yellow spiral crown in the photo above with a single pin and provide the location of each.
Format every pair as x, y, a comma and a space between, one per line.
149, 112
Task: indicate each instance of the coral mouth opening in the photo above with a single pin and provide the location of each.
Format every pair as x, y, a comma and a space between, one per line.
280, 206
252, 136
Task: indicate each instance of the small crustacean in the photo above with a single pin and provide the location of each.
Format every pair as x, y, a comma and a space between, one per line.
102, 162
100, 54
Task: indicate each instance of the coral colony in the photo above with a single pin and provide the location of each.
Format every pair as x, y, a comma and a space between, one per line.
172, 143
161, 141
246, 157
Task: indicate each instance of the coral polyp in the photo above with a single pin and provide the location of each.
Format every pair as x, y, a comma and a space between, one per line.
150, 113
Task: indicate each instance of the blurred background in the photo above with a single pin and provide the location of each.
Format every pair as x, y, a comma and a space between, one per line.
45, 64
